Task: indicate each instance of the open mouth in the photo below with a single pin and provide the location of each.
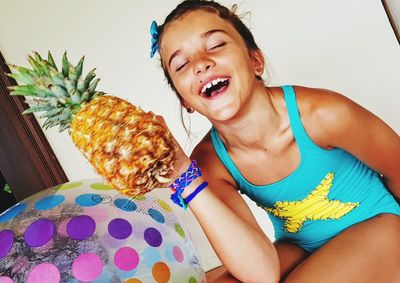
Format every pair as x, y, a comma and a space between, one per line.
214, 87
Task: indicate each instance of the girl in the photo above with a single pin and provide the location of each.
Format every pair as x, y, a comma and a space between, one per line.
323, 168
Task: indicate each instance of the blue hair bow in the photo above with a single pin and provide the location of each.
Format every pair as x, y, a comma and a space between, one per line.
154, 38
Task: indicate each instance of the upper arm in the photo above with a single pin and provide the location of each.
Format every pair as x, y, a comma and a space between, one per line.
340, 122
222, 184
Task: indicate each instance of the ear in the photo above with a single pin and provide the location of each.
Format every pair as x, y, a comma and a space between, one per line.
186, 105
258, 62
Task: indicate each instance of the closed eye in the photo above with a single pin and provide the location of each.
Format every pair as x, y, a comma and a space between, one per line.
181, 67
217, 45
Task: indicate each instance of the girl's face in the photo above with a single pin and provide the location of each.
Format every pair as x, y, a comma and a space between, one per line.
209, 64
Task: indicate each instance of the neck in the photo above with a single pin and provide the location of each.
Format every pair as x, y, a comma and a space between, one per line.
254, 125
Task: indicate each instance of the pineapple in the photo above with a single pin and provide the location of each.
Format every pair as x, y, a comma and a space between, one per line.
131, 149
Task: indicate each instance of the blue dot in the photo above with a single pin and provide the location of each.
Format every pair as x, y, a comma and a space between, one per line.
150, 256
89, 199
105, 276
13, 212
123, 274
156, 215
125, 204
49, 202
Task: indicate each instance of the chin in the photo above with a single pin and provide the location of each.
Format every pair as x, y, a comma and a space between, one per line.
225, 114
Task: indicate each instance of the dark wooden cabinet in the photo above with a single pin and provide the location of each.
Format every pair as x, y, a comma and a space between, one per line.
27, 161
7, 199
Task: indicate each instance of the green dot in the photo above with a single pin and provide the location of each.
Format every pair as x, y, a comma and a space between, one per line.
164, 205
70, 185
101, 186
192, 280
179, 230
138, 197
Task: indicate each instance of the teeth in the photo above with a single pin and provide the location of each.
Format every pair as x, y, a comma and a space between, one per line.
211, 83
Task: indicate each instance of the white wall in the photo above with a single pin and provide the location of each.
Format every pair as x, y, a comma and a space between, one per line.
344, 45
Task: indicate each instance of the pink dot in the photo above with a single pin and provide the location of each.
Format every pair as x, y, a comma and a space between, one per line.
87, 267
126, 259
99, 214
6, 279
44, 273
178, 253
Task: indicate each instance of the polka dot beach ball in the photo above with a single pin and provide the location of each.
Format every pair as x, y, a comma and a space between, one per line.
87, 232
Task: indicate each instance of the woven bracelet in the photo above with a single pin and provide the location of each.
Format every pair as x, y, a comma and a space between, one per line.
182, 182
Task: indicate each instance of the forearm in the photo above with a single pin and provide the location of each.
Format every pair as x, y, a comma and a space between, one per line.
247, 253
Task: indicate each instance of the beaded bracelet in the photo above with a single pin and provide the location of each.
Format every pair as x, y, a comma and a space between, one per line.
182, 182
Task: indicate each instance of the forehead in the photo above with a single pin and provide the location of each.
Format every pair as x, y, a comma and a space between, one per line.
193, 24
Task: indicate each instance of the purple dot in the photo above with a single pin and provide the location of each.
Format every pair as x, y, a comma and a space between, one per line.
153, 237
81, 227
119, 228
6, 242
39, 233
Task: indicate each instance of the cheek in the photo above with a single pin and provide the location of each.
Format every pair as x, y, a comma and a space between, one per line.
182, 84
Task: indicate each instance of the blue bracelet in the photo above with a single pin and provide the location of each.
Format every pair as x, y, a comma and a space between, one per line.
182, 182
177, 197
198, 190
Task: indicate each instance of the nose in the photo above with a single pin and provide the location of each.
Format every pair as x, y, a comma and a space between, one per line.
202, 65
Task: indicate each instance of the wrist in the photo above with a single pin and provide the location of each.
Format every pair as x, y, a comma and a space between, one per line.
192, 187
188, 185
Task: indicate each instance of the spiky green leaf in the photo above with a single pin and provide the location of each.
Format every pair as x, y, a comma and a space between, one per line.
69, 85
38, 58
57, 78
51, 61
73, 75
89, 77
65, 65
51, 112
85, 96
76, 96
93, 85
30, 90
59, 91
23, 71
79, 67
64, 126
36, 66
25, 79
37, 108
53, 101
80, 85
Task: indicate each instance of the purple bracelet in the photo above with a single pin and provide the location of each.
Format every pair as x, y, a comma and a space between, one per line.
182, 182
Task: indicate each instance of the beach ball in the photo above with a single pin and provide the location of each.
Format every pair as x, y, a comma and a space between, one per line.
87, 232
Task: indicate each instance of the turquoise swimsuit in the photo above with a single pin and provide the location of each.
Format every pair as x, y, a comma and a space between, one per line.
328, 192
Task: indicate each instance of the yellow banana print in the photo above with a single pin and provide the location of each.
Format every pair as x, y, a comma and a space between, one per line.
316, 206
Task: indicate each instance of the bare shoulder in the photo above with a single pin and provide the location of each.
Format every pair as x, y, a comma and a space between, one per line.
322, 103
324, 112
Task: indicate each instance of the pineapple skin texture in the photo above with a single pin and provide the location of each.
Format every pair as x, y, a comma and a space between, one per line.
128, 147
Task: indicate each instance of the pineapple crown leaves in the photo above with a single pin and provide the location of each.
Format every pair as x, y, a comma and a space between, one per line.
59, 94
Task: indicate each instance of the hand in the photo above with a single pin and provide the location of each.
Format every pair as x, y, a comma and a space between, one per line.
181, 161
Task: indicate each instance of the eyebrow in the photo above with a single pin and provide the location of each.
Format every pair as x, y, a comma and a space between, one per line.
204, 35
